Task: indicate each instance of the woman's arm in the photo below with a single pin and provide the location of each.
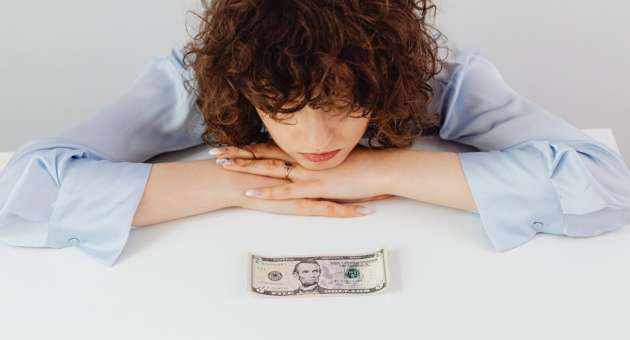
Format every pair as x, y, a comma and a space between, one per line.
82, 186
180, 189
185, 188
432, 177
533, 173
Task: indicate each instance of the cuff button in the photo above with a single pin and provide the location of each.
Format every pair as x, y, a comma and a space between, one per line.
538, 225
73, 241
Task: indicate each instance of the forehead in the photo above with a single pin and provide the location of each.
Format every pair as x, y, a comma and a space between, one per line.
306, 266
265, 98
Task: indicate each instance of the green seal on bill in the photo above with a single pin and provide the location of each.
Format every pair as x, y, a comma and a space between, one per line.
352, 273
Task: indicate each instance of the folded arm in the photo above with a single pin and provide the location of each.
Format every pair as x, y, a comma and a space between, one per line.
534, 172
82, 187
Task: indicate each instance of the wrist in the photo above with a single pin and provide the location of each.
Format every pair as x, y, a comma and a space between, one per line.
391, 170
407, 170
236, 183
233, 183
216, 185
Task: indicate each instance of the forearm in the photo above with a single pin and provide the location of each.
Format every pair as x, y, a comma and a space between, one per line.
180, 189
432, 177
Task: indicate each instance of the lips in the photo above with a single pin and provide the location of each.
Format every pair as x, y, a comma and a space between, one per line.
320, 157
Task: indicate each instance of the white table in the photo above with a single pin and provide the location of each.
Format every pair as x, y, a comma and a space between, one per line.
186, 279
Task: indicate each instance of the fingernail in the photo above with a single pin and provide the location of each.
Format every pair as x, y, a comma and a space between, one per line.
364, 211
224, 161
216, 151
252, 193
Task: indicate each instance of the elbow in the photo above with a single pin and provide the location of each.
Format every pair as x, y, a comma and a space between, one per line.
589, 177
30, 181
593, 187
27, 179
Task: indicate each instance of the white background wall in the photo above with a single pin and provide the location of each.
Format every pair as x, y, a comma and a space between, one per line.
63, 59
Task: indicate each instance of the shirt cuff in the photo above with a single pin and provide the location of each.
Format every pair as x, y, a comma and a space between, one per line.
513, 193
64, 197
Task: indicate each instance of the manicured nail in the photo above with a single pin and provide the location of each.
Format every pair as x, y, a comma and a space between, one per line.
224, 161
216, 151
364, 211
252, 193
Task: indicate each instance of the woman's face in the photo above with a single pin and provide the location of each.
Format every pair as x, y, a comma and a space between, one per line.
316, 139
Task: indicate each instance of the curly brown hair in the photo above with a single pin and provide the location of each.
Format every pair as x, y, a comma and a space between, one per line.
372, 56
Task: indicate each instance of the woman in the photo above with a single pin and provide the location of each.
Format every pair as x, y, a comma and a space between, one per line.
315, 103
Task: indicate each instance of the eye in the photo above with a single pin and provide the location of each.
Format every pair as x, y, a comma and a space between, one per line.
284, 118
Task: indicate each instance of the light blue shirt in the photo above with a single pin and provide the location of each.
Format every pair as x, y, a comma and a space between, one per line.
533, 173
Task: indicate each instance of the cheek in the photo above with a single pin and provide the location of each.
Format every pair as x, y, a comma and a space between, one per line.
353, 129
285, 138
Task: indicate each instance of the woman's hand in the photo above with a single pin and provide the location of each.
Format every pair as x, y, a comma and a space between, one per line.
362, 176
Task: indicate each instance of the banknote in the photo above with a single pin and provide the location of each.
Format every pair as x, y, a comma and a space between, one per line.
319, 275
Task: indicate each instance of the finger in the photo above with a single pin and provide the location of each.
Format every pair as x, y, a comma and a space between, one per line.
252, 151
264, 167
308, 207
268, 150
287, 191
231, 152
374, 198
366, 199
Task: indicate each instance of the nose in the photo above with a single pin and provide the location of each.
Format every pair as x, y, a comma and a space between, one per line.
317, 132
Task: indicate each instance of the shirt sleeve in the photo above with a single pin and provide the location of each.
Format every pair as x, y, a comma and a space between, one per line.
81, 187
533, 172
